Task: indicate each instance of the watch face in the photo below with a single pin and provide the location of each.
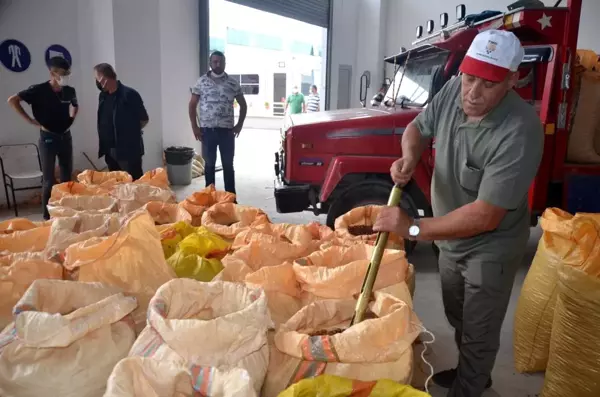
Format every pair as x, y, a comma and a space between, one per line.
414, 230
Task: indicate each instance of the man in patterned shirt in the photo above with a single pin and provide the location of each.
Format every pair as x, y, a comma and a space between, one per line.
212, 98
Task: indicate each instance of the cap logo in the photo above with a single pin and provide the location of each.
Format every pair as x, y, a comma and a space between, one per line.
491, 47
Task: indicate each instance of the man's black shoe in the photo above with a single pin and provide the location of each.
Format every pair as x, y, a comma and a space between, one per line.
446, 378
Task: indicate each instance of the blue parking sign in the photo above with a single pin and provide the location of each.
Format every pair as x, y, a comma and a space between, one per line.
56, 50
14, 55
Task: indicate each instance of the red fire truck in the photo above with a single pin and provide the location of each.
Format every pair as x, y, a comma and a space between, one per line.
331, 162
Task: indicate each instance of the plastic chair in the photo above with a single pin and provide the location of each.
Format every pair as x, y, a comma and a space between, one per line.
19, 169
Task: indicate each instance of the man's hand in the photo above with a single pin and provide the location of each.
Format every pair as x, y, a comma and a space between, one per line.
393, 220
197, 132
236, 130
402, 170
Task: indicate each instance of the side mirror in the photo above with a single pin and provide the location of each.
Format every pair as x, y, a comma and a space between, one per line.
430, 26
419, 31
444, 20
461, 12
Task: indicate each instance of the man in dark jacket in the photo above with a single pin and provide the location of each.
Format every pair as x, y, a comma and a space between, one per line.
121, 118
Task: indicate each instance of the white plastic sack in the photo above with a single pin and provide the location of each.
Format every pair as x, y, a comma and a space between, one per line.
66, 339
133, 196
147, 377
216, 324
81, 227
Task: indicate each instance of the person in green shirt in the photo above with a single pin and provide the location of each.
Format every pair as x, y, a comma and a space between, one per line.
295, 102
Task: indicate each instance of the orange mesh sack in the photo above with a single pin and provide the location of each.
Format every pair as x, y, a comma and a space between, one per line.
215, 324
74, 189
133, 196
567, 240
377, 348
166, 213
17, 272
81, 227
295, 240
147, 377
105, 180
357, 226
338, 272
131, 259
29, 239
157, 178
73, 205
228, 219
200, 201
270, 268
573, 364
66, 339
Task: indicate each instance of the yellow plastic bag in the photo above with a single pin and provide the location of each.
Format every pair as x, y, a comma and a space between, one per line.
133, 196
147, 377
378, 348
228, 220
66, 339
335, 386
200, 201
74, 189
167, 213
199, 255
105, 180
17, 272
574, 359
131, 259
357, 226
214, 324
73, 205
171, 236
157, 177
567, 240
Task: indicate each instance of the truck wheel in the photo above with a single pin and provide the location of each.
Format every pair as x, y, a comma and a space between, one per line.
377, 192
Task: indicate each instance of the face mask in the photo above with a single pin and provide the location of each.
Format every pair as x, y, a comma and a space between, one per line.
213, 74
63, 80
98, 85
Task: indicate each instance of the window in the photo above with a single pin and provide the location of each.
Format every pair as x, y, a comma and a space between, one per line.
238, 37
414, 83
248, 82
217, 44
299, 47
267, 42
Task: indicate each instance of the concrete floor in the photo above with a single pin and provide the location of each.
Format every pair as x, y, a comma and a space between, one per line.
254, 166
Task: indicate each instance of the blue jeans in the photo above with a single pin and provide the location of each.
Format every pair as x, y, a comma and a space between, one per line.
224, 139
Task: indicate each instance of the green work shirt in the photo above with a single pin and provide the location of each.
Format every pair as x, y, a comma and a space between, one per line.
295, 102
494, 160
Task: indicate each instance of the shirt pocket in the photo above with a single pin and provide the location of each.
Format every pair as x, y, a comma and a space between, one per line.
470, 178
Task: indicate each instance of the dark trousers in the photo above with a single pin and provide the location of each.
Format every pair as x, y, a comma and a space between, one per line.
131, 166
224, 139
476, 293
54, 146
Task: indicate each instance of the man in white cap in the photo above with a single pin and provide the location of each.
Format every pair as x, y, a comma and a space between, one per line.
488, 144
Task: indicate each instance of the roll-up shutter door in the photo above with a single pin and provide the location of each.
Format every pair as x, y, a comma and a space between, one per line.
315, 12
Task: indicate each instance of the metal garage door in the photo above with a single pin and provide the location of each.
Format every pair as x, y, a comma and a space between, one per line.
315, 12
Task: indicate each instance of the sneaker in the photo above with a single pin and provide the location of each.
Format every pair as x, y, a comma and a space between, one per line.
446, 378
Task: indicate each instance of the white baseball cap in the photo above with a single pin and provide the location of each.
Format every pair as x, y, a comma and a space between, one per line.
493, 54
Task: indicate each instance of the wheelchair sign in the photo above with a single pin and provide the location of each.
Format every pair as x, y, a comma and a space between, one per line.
14, 55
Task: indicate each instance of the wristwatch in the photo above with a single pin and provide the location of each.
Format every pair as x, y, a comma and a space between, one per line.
414, 229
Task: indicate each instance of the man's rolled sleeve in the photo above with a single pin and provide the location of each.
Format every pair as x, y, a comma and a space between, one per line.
508, 176
74, 101
195, 89
425, 121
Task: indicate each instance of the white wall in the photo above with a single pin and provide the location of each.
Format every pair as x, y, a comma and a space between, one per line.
153, 45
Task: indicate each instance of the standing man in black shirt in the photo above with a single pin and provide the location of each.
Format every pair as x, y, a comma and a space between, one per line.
121, 118
54, 107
